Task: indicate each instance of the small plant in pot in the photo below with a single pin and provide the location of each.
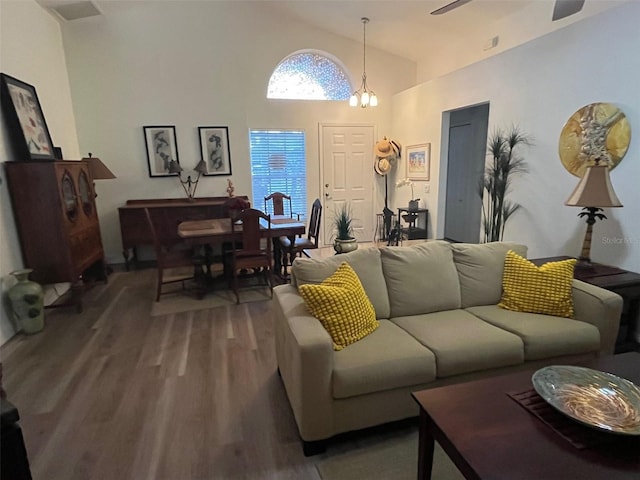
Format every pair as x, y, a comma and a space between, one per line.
413, 203
343, 221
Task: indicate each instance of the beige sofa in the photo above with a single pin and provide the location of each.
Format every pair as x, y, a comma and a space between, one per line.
439, 324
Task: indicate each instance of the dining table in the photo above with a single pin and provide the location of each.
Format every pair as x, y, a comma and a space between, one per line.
216, 231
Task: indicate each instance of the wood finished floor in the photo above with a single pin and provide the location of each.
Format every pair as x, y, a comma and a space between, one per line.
113, 393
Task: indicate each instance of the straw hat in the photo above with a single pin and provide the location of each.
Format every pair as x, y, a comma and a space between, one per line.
383, 148
382, 166
397, 148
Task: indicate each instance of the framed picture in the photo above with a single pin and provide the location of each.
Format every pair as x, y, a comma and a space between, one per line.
25, 121
418, 161
161, 149
214, 148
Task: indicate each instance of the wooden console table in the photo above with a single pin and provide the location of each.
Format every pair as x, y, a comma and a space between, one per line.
133, 223
624, 283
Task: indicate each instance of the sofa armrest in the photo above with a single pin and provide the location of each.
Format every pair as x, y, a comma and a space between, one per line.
601, 308
304, 352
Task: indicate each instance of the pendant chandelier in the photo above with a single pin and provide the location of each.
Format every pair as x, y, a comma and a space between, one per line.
364, 96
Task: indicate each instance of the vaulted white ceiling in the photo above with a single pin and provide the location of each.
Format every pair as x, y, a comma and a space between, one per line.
437, 43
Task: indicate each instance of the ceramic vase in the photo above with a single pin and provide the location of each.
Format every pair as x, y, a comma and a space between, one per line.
413, 205
27, 302
345, 246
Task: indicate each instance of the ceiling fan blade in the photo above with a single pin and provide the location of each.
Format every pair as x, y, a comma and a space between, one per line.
564, 8
450, 6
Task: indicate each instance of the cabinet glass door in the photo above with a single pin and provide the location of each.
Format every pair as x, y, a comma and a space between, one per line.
69, 197
85, 193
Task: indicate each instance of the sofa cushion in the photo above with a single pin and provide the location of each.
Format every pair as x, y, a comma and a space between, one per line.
544, 336
480, 268
388, 358
462, 342
529, 288
342, 307
420, 278
365, 262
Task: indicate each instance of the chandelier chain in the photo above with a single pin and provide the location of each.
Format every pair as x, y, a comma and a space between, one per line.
365, 20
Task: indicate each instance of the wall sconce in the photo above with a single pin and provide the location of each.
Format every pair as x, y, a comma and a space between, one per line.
98, 170
188, 185
594, 192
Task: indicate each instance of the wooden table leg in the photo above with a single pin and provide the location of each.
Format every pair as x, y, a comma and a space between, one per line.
288, 256
426, 447
277, 257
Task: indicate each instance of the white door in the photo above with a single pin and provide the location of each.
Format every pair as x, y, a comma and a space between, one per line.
348, 177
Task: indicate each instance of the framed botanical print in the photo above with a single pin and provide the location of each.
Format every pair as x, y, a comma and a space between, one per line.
418, 161
28, 130
161, 149
215, 151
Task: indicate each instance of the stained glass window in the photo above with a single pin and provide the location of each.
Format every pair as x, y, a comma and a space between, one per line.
309, 76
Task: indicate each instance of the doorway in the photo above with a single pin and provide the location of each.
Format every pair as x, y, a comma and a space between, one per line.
347, 177
465, 165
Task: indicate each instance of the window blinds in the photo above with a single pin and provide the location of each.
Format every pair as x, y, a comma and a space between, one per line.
278, 164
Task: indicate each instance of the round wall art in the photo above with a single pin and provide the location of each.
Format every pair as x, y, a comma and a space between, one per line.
596, 131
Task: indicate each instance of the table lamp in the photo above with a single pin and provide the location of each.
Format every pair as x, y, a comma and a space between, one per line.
594, 192
188, 185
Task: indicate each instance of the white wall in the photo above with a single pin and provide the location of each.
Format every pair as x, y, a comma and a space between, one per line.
538, 86
30, 50
193, 64
459, 49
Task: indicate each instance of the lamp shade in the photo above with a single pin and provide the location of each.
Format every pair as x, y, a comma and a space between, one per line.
99, 171
594, 189
174, 167
201, 167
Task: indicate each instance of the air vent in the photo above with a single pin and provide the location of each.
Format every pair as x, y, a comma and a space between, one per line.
75, 11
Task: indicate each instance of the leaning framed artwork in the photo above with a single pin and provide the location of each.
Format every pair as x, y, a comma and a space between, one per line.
162, 147
27, 128
418, 161
215, 151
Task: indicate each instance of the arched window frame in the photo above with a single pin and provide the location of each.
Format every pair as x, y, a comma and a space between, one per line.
329, 57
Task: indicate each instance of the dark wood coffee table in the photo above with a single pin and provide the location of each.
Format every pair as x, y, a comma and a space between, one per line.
488, 435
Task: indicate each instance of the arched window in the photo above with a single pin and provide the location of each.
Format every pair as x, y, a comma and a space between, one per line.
309, 75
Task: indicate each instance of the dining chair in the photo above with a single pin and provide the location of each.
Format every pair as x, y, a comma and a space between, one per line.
277, 200
252, 249
171, 252
300, 244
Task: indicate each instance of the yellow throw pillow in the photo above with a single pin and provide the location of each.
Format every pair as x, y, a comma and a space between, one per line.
342, 306
545, 289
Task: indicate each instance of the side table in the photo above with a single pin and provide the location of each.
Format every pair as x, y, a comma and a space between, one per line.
624, 283
413, 223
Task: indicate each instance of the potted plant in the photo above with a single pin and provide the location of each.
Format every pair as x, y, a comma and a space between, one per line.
494, 184
413, 203
344, 240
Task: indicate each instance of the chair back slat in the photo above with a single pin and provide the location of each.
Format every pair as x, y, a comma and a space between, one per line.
163, 231
253, 235
314, 221
277, 200
249, 251
170, 249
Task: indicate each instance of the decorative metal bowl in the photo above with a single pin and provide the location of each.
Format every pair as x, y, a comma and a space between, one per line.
597, 399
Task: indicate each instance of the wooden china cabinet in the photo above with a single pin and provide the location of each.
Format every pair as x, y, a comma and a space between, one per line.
57, 222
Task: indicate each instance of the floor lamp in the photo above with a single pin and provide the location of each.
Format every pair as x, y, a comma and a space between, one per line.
594, 192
